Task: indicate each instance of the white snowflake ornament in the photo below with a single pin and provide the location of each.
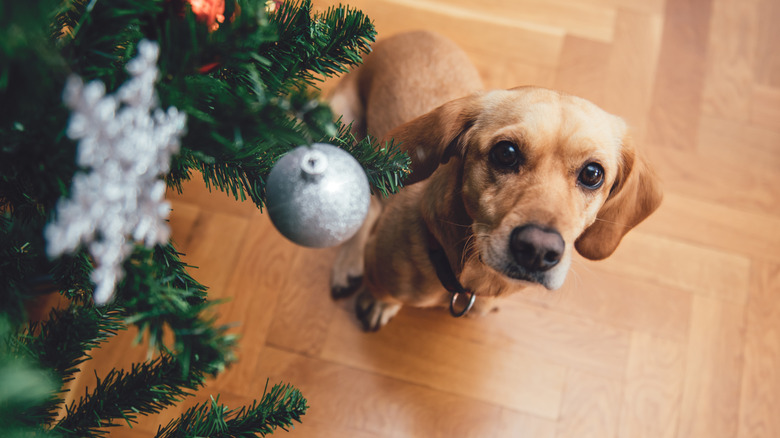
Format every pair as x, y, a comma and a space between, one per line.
121, 198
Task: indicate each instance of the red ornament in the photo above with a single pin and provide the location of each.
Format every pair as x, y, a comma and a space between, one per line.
208, 67
212, 12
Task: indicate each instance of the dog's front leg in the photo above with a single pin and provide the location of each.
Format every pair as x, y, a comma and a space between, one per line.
347, 272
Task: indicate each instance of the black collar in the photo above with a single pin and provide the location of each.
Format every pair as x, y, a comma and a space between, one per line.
447, 276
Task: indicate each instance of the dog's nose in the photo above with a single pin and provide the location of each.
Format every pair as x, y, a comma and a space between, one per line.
535, 248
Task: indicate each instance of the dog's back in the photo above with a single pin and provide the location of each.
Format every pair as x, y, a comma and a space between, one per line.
405, 76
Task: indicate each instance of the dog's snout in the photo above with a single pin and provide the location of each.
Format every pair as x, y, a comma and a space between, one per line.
535, 248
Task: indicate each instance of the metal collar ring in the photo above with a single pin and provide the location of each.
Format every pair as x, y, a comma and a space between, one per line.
458, 313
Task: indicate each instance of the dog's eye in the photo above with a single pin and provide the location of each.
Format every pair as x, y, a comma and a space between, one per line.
506, 154
591, 176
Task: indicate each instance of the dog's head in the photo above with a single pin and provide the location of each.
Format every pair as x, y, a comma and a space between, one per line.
541, 173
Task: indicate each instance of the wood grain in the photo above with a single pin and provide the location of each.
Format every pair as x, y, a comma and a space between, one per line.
594, 293
632, 69
765, 107
583, 68
516, 379
680, 74
591, 406
346, 397
730, 60
545, 333
692, 268
512, 424
653, 382
713, 373
761, 376
531, 42
689, 219
767, 61
675, 335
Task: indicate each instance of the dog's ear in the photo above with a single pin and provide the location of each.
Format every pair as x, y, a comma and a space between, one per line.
435, 137
635, 194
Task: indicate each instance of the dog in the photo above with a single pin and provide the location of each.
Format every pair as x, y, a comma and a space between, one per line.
505, 185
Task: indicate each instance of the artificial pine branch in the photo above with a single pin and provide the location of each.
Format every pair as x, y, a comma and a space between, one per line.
31, 115
100, 36
19, 266
61, 343
158, 294
71, 276
147, 388
321, 44
24, 386
385, 165
278, 408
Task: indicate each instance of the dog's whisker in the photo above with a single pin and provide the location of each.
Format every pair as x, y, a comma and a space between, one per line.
576, 278
577, 281
470, 249
454, 224
582, 265
612, 222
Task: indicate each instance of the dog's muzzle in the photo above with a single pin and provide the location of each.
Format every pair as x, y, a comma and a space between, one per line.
533, 252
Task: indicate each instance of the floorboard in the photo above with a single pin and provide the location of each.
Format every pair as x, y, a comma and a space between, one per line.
674, 336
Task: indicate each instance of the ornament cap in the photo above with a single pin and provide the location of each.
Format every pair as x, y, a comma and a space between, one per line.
313, 165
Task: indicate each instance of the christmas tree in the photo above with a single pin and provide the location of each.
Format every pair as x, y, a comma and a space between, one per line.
100, 101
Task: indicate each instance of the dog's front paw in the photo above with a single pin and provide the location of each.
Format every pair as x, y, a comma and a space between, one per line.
373, 313
339, 291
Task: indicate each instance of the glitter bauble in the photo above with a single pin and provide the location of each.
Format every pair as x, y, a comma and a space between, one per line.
317, 195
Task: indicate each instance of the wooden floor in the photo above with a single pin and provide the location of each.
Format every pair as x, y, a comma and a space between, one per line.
676, 335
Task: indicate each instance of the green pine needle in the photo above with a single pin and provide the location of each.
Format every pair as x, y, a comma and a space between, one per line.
279, 408
158, 295
24, 387
62, 342
146, 388
386, 165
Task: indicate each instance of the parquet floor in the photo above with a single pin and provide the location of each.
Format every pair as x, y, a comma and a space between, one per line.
676, 335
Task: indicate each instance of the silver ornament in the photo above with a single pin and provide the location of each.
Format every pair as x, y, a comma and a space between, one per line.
317, 196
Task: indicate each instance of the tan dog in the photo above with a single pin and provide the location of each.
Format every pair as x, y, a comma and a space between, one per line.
505, 185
